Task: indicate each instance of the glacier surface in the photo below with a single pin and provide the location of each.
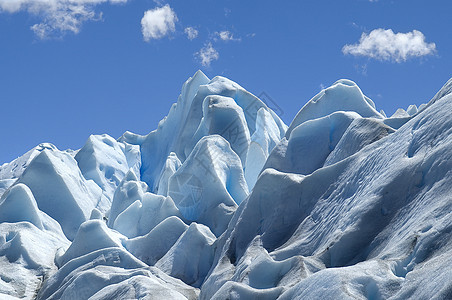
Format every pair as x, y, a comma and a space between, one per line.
225, 201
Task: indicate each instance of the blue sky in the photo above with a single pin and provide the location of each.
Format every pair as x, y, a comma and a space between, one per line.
68, 71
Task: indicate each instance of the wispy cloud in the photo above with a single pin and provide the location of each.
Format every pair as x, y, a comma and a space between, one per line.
226, 35
207, 54
386, 45
57, 16
158, 23
191, 33
361, 69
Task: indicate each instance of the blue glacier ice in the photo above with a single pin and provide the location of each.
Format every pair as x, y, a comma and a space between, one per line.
210, 184
225, 201
231, 112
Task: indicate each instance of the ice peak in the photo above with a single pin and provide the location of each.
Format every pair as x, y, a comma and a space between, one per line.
48, 146
91, 236
18, 204
199, 75
444, 91
347, 82
343, 95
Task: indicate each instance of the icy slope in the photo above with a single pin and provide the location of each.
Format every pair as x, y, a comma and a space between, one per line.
374, 223
9, 172
224, 201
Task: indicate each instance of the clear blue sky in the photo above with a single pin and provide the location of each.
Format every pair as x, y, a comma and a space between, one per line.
101, 71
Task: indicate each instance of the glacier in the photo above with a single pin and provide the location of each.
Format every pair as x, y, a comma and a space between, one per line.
223, 200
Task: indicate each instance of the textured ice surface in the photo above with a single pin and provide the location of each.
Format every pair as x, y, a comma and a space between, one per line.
26, 258
360, 133
310, 143
233, 116
210, 184
377, 220
14, 169
190, 258
61, 191
151, 247
143, 215
112, 273
171, 165
129, 190
344, 95
263, 140
224, 201
222, 116
105, 161
91, 236
19, 205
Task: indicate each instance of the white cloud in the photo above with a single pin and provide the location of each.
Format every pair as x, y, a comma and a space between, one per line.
57, 16
226, 35
207, 54
159, 22
384, 44
191, 33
